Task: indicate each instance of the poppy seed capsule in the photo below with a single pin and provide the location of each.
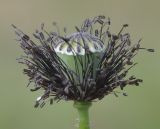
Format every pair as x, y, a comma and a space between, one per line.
85, 42
83, 47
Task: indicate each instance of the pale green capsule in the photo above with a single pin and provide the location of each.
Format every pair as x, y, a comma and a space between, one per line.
81, 51
77, 44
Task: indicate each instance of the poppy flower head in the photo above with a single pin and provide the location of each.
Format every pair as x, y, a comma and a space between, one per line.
83, 66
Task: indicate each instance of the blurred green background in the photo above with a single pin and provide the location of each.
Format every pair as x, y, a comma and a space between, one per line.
140, 110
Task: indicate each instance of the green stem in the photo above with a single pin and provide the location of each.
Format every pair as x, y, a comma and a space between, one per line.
82, 108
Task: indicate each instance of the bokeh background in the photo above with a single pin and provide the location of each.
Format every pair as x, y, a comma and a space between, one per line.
140, 110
